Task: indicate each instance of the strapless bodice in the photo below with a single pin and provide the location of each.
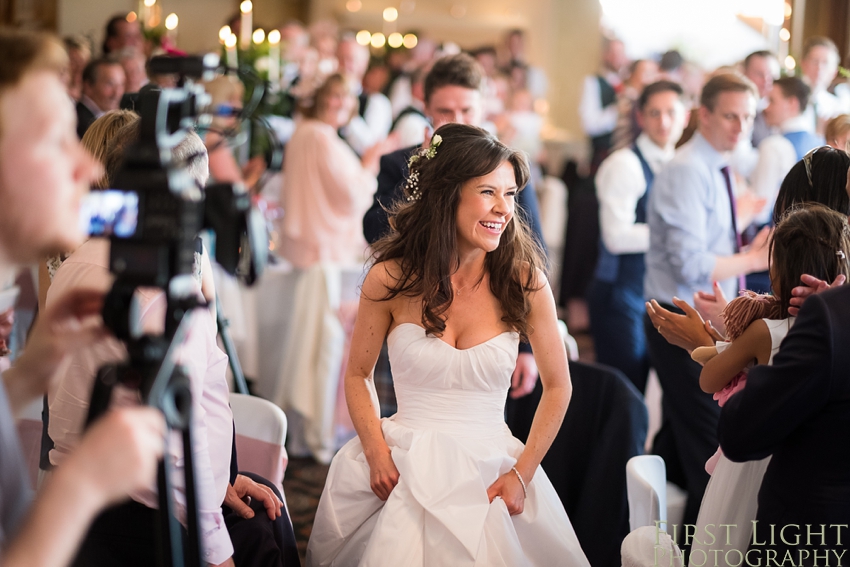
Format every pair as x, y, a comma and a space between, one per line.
441, 387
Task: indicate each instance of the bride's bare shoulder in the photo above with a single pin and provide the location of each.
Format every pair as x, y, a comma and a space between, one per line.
382, 277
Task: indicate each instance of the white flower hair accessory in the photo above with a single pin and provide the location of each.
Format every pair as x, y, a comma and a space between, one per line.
411, 186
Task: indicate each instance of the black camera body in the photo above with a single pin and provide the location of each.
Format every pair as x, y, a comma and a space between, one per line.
172, 208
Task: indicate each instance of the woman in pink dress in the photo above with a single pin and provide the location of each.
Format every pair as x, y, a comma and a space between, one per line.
327, 188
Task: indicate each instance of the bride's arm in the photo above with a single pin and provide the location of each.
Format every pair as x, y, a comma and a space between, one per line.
551, 357
370, 329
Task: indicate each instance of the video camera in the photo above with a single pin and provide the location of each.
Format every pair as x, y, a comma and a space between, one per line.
153, 215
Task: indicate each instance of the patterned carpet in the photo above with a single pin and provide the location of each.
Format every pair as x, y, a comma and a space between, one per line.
303, 483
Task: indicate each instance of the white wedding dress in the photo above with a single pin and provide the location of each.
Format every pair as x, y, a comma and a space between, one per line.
449, 442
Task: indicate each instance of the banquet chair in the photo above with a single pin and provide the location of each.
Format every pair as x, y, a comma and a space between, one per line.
260, 436
29, 432
646, 481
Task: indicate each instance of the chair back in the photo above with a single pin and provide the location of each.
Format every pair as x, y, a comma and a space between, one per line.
646, 483
260, 437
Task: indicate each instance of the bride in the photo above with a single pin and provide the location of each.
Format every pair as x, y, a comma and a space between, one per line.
454, 288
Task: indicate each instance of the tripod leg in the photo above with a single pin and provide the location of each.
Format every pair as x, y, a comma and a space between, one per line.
230, 350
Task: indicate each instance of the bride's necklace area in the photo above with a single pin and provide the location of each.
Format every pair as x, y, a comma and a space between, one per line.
459, 290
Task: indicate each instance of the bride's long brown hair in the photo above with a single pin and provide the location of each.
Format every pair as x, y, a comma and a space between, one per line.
424, 239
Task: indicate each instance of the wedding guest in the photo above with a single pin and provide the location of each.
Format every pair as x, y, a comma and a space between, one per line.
226, 93
134, 64
44, 171
598, 107
96, 142
536, 81
79, 54
821, 177
372, 121
779, 152
487, 57
622, 184
819, 66
103, 87
672, 66
694, 241
410, 124
838, 132
421, 56
804, 242
792, 410
124, 534
762, 68
121, 33
327, 188
642, 72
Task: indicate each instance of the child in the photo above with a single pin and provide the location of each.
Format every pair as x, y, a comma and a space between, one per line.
810, 239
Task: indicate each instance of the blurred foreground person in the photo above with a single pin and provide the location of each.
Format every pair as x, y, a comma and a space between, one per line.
44, 172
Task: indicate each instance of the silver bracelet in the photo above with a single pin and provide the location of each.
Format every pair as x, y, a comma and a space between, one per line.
522, 482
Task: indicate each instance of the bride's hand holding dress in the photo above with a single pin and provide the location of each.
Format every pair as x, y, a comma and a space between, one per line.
373, 322
551, 358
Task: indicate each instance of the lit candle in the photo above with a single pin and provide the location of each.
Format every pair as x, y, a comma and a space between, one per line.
145, 12
171, 25
230, 44
274, 58
246, 24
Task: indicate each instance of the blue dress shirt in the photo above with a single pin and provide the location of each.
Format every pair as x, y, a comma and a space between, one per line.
690, 224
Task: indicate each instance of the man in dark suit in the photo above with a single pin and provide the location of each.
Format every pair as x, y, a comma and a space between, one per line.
452, 95
798, 410
103, 87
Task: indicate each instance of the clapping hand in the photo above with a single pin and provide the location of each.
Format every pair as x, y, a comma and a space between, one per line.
711, 305
687, 331
811, 285
524, 377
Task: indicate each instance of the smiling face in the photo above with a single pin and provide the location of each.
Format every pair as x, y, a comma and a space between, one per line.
45, 170
486, 207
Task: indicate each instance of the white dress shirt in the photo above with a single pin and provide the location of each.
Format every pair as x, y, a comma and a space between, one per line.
364, 132
620, 184
595, 119
826, 105
776, 157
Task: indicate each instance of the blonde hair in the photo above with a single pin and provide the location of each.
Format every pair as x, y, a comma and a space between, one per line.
24, 52
312, 101
100, 133
222, 90
836, 128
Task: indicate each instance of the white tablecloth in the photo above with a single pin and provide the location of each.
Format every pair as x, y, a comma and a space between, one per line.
261, 327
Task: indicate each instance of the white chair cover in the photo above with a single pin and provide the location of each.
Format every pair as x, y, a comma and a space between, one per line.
646, 482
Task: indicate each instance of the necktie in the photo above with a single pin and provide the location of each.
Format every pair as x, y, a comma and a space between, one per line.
728, 179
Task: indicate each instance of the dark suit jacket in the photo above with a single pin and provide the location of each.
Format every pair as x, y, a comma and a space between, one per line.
85, 117
798, 410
